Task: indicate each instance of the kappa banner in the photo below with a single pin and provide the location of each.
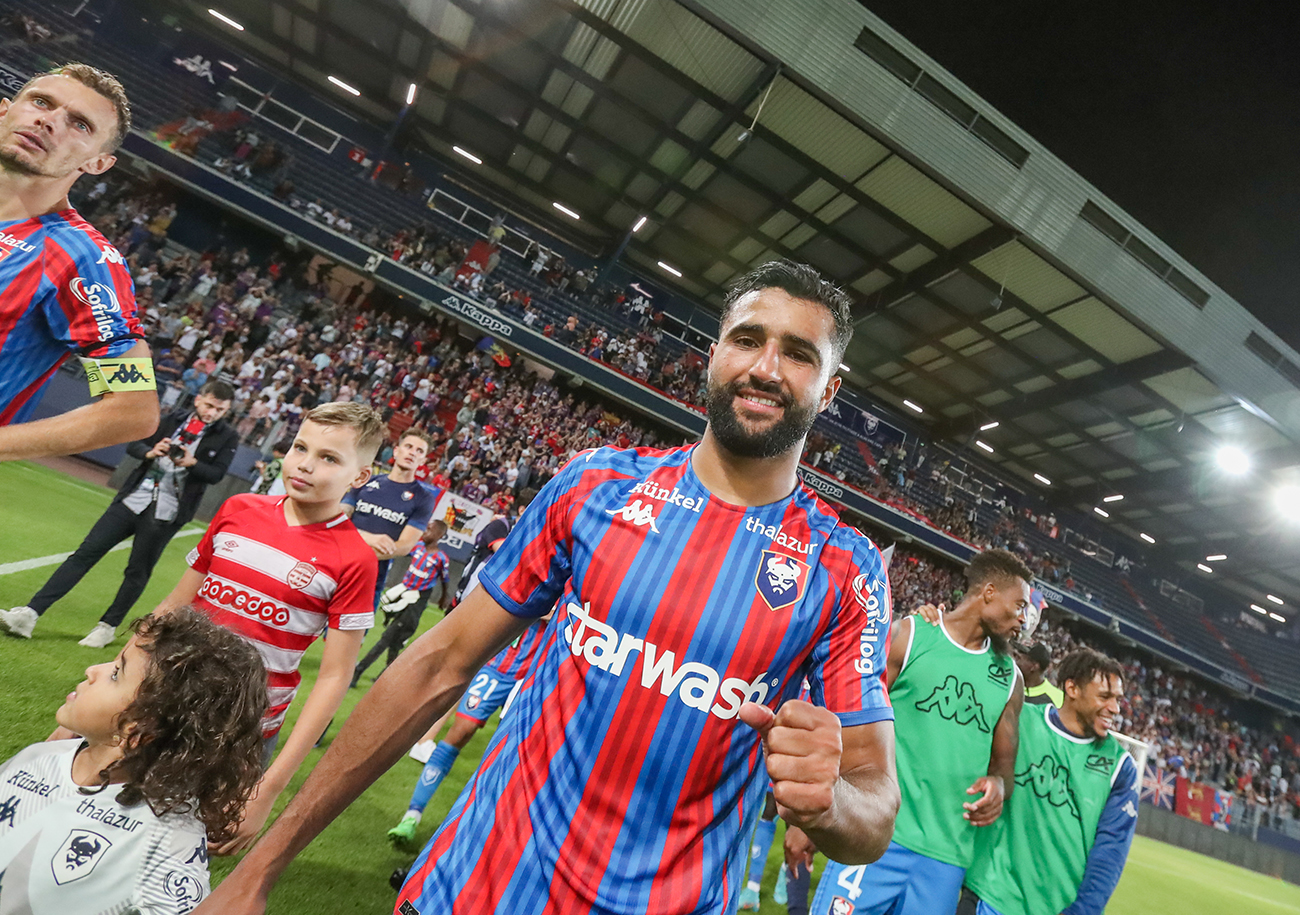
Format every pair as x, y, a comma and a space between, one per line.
1201, 802
464, 521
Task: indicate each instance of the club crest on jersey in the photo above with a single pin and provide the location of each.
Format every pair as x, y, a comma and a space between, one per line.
407, 495
78, 855
300, 575
781, 580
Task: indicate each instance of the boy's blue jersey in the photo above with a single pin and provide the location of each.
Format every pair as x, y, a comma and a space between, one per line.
624, 782
385, 507
63, 290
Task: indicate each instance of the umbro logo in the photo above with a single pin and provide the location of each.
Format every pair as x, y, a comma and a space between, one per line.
636, 513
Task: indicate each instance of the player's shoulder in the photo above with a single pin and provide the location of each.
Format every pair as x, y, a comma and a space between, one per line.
249, 503
40, 752
80, 239
626, 462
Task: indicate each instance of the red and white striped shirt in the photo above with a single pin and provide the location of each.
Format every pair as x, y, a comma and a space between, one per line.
280, 585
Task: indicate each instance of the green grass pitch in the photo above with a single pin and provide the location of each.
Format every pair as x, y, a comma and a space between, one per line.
346, 869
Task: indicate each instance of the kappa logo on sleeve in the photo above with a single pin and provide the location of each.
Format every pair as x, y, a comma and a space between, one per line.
78, 855
110, 255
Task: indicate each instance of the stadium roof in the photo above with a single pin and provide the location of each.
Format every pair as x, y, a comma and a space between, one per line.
992, 283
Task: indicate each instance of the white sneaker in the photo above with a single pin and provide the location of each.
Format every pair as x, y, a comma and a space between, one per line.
422, 751
20, 621
100, 637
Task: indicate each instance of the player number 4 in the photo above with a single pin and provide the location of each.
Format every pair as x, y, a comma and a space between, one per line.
851, 881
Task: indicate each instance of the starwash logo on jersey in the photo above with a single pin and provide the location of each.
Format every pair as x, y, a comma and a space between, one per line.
641, 514
872, 594
100, 299
695, 685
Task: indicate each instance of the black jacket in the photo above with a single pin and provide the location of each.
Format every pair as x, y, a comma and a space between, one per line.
215, 451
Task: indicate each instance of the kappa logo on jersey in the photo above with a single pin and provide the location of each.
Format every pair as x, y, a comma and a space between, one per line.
781, 580
127, 374
955, 701
841, 906
636, 513
1050, 782
300, 575
78, 855
184, 888
100, 299
110, 255
696, 685
8, 809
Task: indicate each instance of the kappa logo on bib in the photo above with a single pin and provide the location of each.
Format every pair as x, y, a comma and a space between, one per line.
781, 580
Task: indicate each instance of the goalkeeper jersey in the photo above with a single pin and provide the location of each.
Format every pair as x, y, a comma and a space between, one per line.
64, 849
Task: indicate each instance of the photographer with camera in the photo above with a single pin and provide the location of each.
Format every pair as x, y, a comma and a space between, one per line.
191, 450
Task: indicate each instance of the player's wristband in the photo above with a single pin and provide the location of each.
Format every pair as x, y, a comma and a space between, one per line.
119, 375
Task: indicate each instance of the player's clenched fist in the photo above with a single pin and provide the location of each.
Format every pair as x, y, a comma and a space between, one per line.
802, 747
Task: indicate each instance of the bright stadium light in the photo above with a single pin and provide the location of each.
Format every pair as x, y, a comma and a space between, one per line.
987, 447
410, 94
987, 426
467, 154
1286, 500
226, 19
1217, 557
1277, 616
1042, 479
640, 224
1275, 599
1115, 498
1258, 609
844, 368
565, 210
912, 406
1232, 460
1203, 567
344, 86
1148, 538
670, 269
1101, 511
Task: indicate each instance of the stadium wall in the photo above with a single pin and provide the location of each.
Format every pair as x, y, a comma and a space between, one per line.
1261, 856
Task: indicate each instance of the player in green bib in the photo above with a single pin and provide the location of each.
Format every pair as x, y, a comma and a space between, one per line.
1061, 842
957, 695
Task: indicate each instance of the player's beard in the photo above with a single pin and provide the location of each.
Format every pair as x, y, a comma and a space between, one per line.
12, 160
776, 439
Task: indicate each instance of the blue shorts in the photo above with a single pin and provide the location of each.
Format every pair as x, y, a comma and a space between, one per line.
487, 692
902, 882
985, 909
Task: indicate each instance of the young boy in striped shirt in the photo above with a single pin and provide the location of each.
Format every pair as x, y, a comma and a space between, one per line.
280, 570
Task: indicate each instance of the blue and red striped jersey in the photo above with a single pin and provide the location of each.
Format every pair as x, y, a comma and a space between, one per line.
514, 660
63, 289
428, 567
624, 781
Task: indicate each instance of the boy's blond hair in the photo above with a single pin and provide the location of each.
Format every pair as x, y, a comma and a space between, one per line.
365, 423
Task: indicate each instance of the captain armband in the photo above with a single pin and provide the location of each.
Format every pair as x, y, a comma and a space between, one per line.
117, 376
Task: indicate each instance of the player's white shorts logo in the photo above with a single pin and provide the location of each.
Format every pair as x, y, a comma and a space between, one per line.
78, 855
636, 513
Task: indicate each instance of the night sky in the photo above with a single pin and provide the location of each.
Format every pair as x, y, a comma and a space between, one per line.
1187, 115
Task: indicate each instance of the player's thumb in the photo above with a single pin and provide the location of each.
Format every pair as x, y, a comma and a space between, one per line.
758, 717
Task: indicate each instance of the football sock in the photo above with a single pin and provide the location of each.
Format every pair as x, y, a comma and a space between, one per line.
435, 770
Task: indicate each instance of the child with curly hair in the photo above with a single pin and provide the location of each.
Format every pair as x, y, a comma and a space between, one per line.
118, 819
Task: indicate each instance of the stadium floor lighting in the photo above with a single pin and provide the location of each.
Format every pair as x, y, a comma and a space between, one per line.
1148, 538
410, 94
1203, 567
1101, 511
1258, 609
640, 224
344, 86
670, 268
1277, 616
1042, 479
1217, 557
1115, 498
1276, 600
226, 19
1232, 460
467, 154
565, 210
987, 426
987, 447
912, 406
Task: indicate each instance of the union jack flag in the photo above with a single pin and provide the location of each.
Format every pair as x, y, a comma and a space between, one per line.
1158, 787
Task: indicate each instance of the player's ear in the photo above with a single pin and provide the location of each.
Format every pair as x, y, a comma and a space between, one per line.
362, 478
97, 165
828, 394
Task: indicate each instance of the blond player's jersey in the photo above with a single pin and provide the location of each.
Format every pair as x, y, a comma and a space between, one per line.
65, 849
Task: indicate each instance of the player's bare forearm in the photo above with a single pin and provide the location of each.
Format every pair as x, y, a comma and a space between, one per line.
111, 420
185, 591
426, 680
860, 823
406, 542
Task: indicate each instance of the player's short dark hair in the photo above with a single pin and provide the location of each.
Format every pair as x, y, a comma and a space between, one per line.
103, 82
998, 566
1082, 666
193, 733
801, 282
416, 433
219, 390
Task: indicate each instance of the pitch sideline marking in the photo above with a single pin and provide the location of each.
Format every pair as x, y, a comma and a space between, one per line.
23, 565
1284, 906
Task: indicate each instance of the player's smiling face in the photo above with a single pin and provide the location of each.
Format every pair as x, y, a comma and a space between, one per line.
770, 373
55, 127
1096, 704
323, 463
94, 707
